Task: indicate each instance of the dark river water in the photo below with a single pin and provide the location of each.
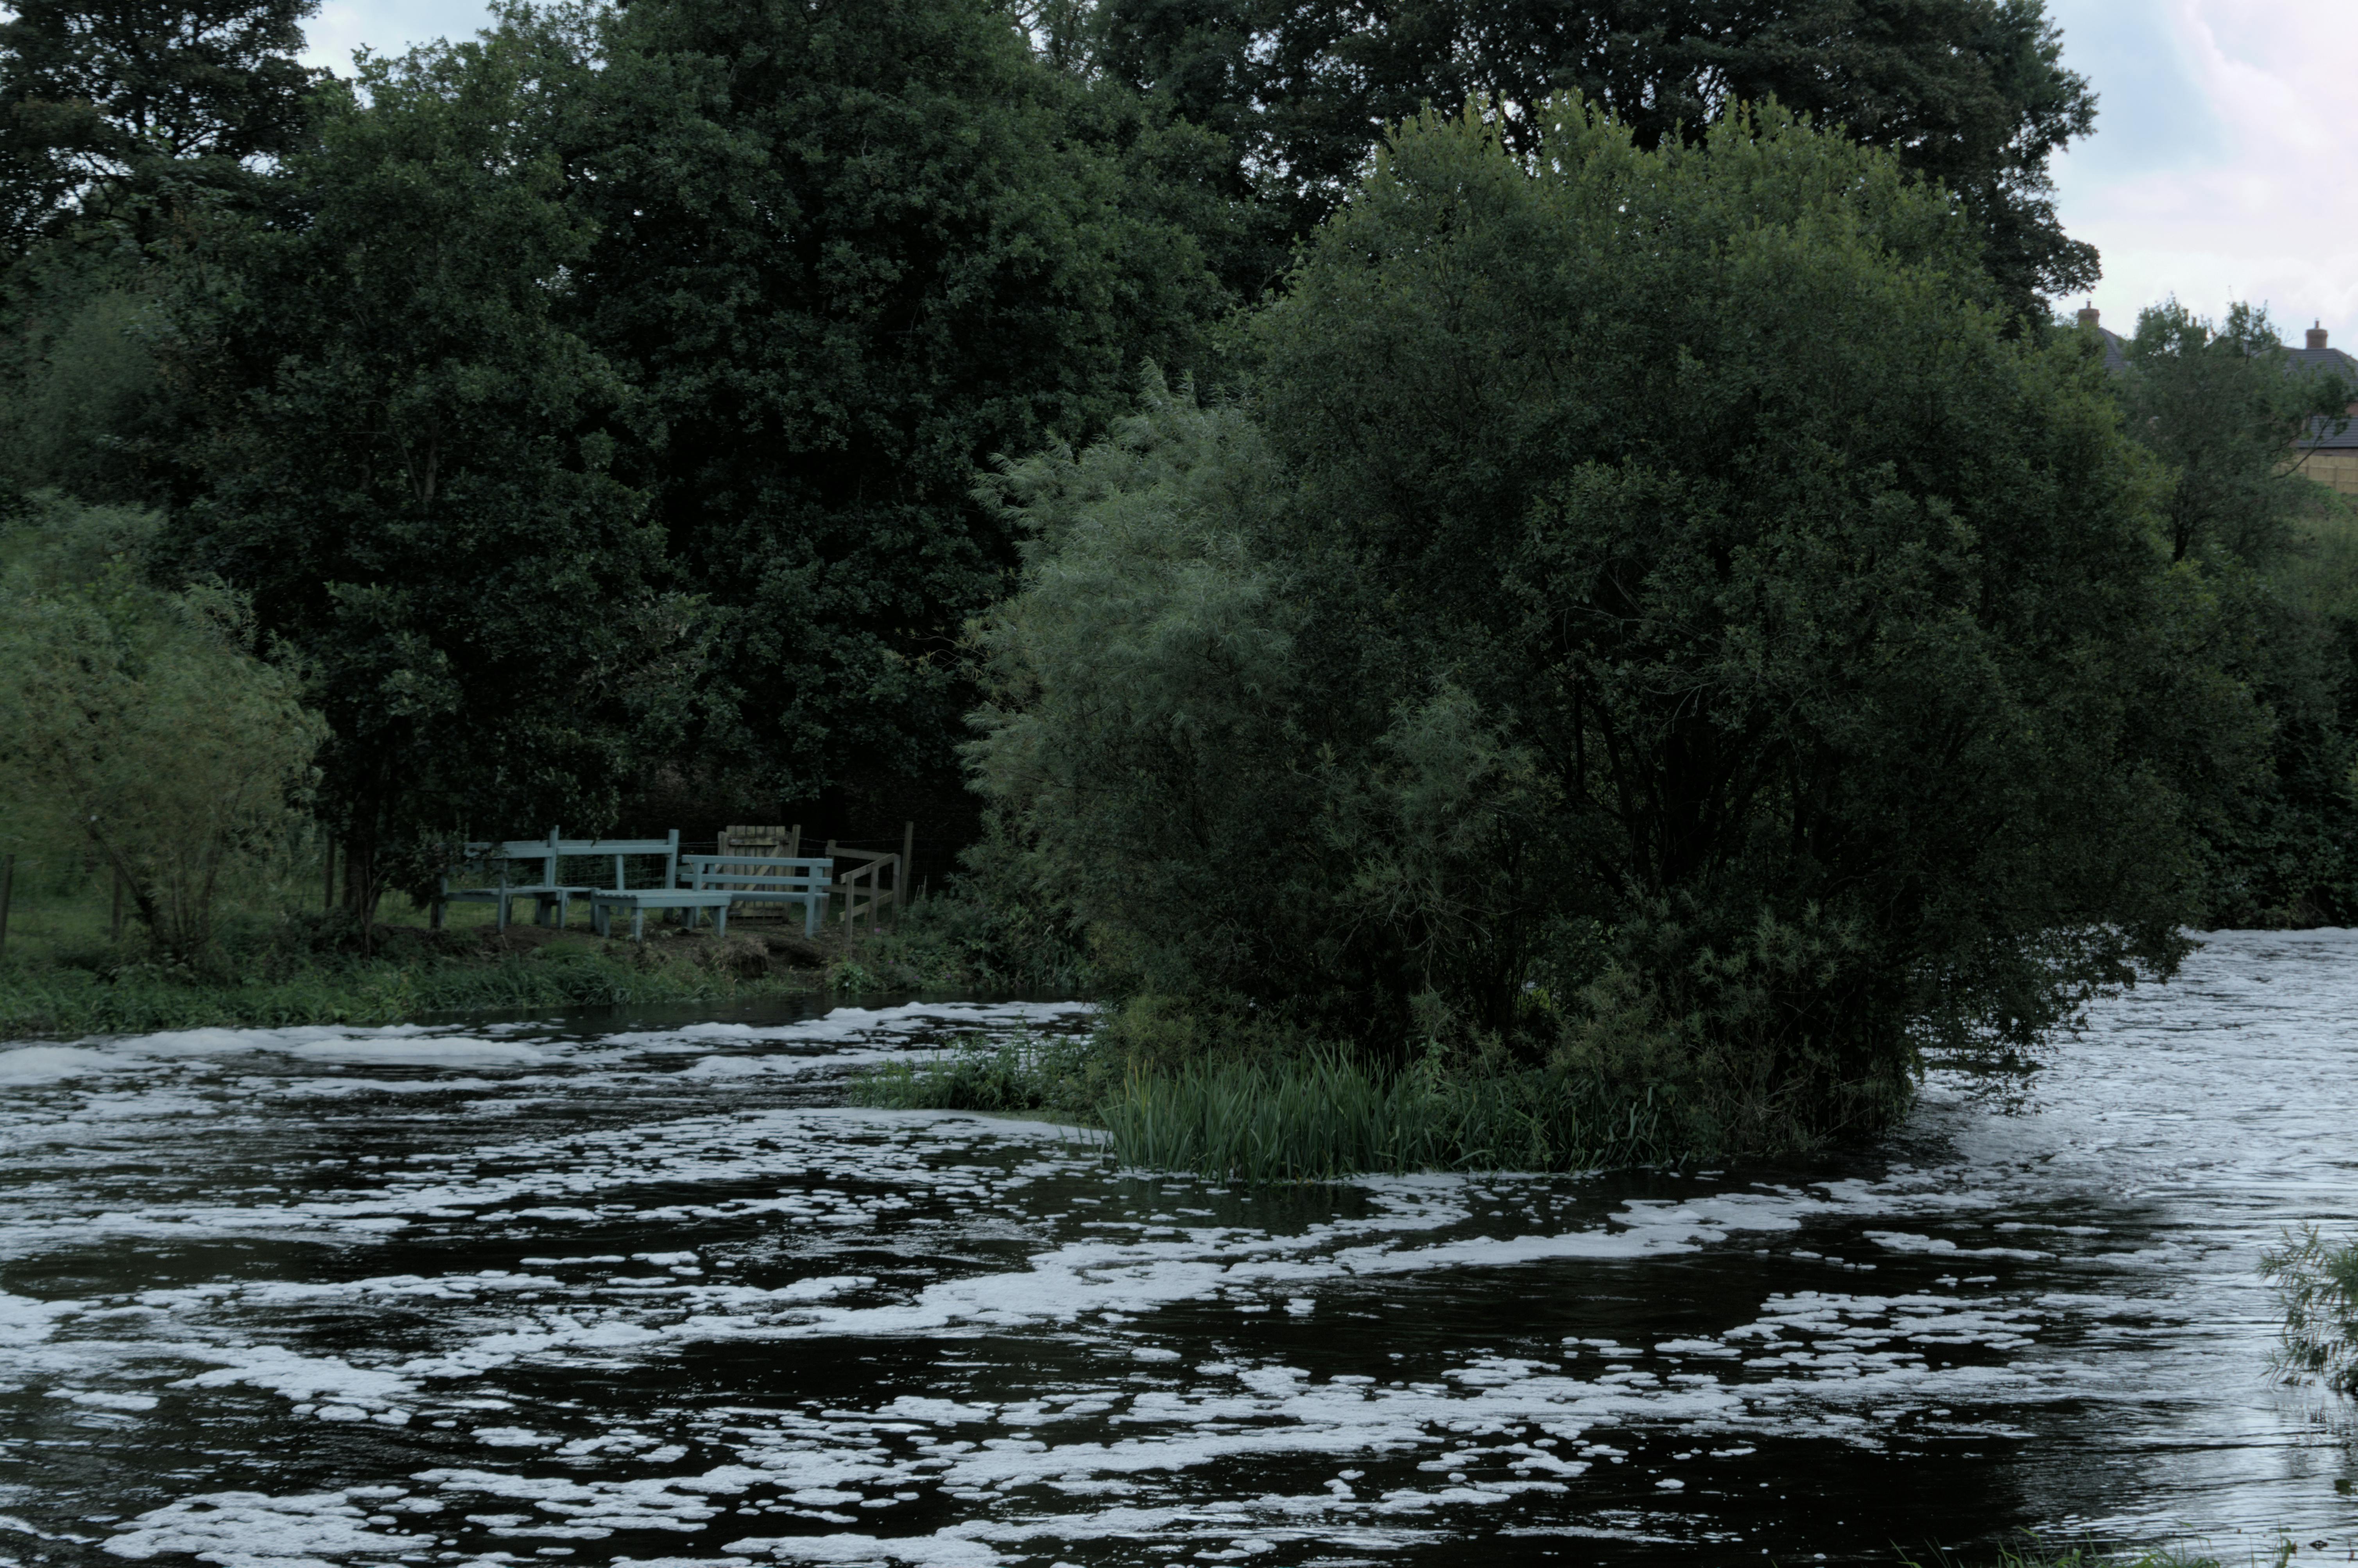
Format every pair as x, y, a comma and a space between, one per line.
630, 1289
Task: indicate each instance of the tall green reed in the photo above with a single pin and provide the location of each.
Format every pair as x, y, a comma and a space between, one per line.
1324, 1115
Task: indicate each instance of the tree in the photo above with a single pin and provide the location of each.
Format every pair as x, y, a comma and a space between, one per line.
108, 104
1651, 611
399, 455
846, 253
141, 722
1969, 93
2214, 404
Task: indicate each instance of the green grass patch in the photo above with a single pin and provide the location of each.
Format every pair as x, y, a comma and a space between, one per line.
53, 1000
1324, 1114
1313, 1116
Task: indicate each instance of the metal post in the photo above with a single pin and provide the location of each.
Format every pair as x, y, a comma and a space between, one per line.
901, 873
7, 886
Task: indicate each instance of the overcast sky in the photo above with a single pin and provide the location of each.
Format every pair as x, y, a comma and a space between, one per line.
2222, 167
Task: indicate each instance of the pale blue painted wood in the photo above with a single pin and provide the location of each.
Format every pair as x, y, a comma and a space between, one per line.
807, 881
638, 901
549, 896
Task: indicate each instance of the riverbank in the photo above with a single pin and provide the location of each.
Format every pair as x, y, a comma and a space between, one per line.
68, 970
400, 982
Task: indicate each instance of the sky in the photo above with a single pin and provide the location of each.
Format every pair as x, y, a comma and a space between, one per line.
2221, 167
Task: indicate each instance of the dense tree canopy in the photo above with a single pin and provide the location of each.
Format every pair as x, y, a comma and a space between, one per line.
1650, 608
1970, 93
393, 445
1641, 572
106, 102
845, 254
2222, 412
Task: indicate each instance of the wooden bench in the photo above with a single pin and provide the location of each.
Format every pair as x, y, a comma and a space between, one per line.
549, 896
690, 902
808, 883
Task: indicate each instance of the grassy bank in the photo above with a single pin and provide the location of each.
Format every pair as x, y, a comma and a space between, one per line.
1311, 1116
133, 998
400, 979
68, 970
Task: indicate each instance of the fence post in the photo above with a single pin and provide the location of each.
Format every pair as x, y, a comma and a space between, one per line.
7, 886
115, 933
837, 876
901, 873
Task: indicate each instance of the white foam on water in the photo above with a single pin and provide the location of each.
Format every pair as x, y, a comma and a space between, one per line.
248, 1529
1067, 1354
455, 1051
53, 1064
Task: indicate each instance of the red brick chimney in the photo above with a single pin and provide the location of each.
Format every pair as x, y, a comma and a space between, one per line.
2088, 314
2317, 336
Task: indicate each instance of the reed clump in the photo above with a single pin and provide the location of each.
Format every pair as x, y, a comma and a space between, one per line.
1326, 1114
1315, 1114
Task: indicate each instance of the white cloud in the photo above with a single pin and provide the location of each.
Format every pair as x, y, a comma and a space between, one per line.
2220, 169
388, 26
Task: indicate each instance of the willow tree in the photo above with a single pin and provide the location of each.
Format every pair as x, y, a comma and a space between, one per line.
1652, 614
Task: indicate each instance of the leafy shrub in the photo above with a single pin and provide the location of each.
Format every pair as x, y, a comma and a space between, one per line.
2317, 1281
142, 721
1654, 579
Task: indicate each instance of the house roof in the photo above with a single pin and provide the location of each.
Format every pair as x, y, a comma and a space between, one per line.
2320, 359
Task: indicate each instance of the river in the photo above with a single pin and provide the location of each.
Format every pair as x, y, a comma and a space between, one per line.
633, 1290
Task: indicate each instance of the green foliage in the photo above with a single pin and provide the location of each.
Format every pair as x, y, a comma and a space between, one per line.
1652, 581
85, 407
2215, 406
1328, 1114
402, 982
982, 935
141, 720
123, 108
2213, 402
2317, 1282
1063, 1075
394, 435
1969, 93
1308, 1114
845, 254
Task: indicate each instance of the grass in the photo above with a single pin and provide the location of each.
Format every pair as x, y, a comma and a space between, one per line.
1062, 1076
137, 998
1322, 1115
1314, 1116
279, 960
